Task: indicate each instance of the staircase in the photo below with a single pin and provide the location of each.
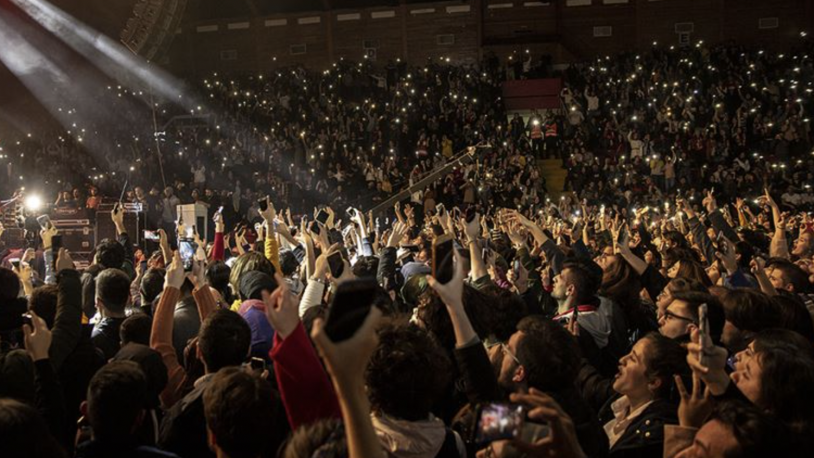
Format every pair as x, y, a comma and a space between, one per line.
554, 174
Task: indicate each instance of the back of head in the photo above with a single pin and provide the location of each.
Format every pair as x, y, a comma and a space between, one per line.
224, 340
24, 433
110, 254
549, 354
620, 282
407, 373
9, 285
248, 262
322, 438
136, 329
758, 435
217, 275
43, 302
152, 283
116, 398
750, 310
794, 315
240, 410
288, 263
113, 289
693, 270
366, 266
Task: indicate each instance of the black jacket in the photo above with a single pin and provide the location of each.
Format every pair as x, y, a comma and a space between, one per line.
644, 437
105, 336
183, 430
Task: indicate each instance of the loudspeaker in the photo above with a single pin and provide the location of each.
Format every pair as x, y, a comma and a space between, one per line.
78, 239
133, 224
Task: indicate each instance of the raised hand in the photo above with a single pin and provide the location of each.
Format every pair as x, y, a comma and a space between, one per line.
399, 230
64, 260
708, 361
37, 337
695, 407
281, 309
175, 273
561, 442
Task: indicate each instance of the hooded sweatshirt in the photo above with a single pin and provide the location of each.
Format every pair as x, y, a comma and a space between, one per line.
412, 439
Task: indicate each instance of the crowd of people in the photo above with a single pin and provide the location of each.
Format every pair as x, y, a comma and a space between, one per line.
662, 307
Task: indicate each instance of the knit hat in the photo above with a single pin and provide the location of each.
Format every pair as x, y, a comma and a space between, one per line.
253, 283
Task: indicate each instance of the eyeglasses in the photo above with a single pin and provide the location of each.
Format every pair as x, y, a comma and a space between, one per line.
508, 351
505, 349
668, 315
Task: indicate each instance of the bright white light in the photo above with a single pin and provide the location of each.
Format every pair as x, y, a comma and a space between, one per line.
33, 203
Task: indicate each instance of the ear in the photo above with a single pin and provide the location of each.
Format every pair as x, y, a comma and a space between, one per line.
691, 327
789, 287
654, 384
83, 408
519, 374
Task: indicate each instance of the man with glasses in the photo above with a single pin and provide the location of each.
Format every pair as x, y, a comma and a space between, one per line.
680, 317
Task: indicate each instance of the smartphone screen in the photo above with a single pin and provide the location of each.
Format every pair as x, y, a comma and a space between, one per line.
263, 204
349, 308
499, 422
620, 239
15, 263
322, 217
442, 257
336, 264
151, 235
45, 221
187, 250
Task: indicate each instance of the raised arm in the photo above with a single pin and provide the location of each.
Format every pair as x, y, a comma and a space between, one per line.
305, 389
68, 322
161, 333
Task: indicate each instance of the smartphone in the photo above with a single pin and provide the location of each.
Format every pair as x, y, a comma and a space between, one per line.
322, 217
439, 209
350, 212
27, 319
45, 221
187, 249
349, 308
313, 226
15, 263
499, 421
411, 248
336, 264
470, 214
703, 330
442, 257
143, 266
258, 364
723, 247
516, 267
263, 204
152, 236
620, 238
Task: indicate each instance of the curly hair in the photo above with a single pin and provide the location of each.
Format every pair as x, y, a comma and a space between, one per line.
407, 373
549, 354
323, 438
433, 314
246, 263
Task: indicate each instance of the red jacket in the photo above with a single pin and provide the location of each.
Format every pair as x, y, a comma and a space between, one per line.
305, 388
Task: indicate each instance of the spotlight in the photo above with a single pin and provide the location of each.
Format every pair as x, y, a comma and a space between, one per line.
33, 203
